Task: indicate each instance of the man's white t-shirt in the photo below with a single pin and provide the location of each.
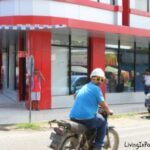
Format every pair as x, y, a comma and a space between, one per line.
147, 80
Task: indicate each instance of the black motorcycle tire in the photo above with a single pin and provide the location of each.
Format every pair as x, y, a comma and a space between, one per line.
115, 139
69, 143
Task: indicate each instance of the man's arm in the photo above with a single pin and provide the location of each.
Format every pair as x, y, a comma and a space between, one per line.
104, 105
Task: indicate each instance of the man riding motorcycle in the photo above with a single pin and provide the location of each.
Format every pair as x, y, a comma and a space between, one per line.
87, 101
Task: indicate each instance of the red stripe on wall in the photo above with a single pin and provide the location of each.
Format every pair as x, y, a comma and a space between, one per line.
72, 23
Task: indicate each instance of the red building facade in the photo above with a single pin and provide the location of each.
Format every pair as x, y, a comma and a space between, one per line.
49, 31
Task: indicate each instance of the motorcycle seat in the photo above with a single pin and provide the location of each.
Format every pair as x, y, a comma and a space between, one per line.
77, 127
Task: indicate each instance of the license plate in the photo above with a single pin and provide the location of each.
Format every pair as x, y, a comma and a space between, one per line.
55, 137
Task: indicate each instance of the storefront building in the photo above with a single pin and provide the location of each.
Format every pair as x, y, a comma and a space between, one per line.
69, 38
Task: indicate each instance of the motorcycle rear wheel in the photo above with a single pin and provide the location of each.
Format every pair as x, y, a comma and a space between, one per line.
114, 140
70, 143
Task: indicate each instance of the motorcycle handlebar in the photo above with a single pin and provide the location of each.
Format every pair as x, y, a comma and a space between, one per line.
104, 113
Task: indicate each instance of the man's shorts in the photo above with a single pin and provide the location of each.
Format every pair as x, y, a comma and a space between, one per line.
35, 96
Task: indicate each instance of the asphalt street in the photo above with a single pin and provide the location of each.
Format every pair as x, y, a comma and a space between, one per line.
134, 134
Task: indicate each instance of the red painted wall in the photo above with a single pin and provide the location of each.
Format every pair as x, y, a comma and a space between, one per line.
97, 55
39, 46
1, 72
21, 78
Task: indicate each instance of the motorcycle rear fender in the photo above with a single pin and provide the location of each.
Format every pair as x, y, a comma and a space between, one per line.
111, 127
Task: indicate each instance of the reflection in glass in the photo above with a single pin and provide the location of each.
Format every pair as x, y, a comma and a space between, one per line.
111, 69
78, 39
141, 65
59, 70
127, 69
60, 39
78, 68
120, 78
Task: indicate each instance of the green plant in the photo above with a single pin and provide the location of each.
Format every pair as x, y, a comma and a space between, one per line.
33, 126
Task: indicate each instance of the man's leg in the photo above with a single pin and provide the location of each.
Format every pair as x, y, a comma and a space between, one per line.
101, 131
101, 125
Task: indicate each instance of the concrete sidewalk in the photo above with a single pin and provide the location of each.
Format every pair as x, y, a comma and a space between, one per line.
12, 111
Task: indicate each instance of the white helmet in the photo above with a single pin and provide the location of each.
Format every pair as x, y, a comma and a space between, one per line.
97, 72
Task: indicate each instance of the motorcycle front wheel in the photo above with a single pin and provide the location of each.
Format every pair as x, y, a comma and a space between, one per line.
148, 109
70, 143
111, 140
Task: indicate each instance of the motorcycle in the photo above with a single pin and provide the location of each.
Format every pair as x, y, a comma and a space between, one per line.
69, 135
147, 102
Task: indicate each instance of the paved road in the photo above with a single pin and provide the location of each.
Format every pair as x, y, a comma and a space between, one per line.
132, 131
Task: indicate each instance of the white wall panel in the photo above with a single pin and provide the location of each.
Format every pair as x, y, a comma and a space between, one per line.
55, 9
5, 10
118, 18
139, 21
96, 15
41, 8
64, 10
25, 7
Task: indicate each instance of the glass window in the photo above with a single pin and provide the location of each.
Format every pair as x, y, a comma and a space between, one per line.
118, 2
120, 65
139, 4
59, 59
141, 64
60, 39
127, 68
111, 69
79, 38
95, 0
69, 61
105, 1
78, 68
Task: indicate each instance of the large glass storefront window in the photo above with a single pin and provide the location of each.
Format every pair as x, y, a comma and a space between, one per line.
125, 66
111, 69
78, 68
59, 59
78, 60
69, 62
141, 65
